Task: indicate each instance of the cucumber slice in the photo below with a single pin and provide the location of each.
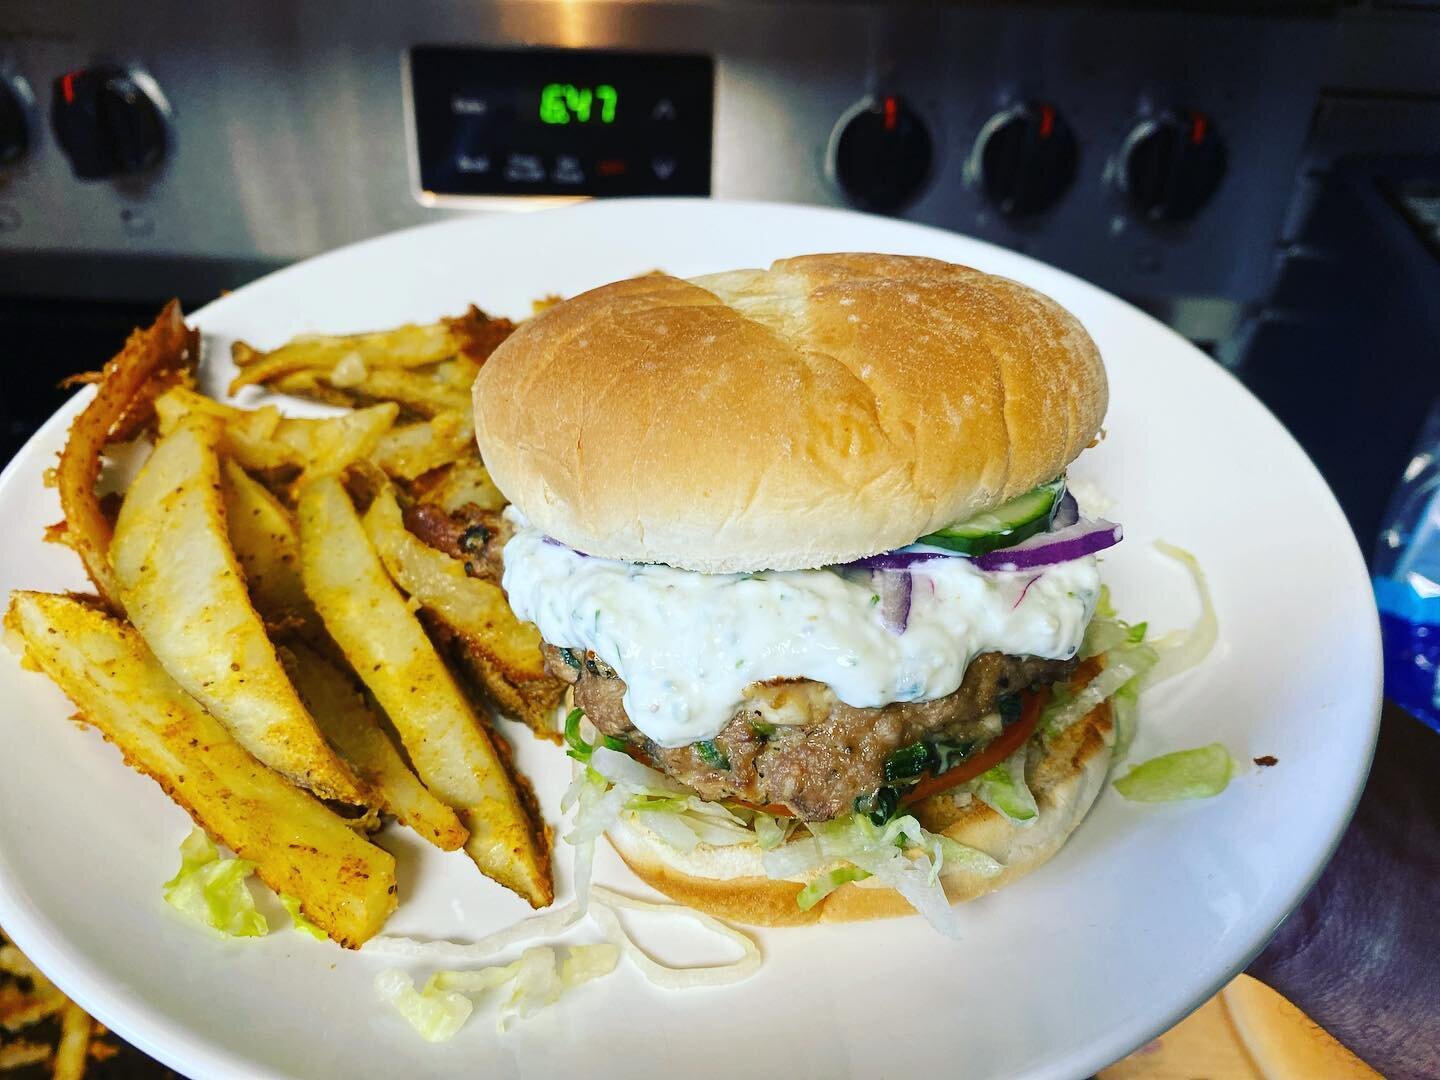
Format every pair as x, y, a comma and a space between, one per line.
1009, 523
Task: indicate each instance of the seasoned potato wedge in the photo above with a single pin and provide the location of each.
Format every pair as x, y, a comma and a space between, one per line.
249, 433
332, 444
340, 710
410, 450
502, 652
427, 392
389, 650
465, 483
345, 360
267, 544
474, 608
155, 358
345, 884
264, 441
182, 587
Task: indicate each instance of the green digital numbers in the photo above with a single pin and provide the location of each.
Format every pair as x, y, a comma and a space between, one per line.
560, 103
607, 97
552, 104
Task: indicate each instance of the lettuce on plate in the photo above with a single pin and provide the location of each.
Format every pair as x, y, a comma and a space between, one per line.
212, 890
435, 1014
1183, 774
298, 919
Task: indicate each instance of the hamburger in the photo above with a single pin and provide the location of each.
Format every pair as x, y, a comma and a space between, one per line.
800, 542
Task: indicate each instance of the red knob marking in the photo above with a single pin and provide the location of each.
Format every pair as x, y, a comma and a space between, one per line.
1199, 123
1047, 121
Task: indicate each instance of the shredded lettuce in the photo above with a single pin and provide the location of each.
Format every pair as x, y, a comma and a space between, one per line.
614, 785
298, 919
668, 978
583, 962
1121, 665
1183, 774
823, 885
902, 855
1004, 790
1132, 661
435, 1014
1102, 635
1125, 707
1181, 650
670, 828
771, 831
537, 980
621, 768
212, 890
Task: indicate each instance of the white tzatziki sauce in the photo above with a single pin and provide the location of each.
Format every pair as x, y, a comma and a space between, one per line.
688, 644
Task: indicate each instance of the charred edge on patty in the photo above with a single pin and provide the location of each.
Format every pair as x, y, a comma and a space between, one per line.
818, 768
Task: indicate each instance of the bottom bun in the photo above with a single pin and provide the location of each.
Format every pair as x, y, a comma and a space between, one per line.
729, 881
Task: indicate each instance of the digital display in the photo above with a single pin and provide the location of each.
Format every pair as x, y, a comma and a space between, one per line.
560, 122
560, 103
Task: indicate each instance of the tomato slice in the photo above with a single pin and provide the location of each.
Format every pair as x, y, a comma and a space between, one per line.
999, 748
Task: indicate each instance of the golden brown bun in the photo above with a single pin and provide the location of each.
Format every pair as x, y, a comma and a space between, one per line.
831, 407
728, 881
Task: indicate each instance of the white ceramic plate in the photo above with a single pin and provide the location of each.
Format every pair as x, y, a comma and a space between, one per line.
1146, 912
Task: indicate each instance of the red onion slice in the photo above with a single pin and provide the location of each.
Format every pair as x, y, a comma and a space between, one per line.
1073, 542
899, 560
573, 551
895, 588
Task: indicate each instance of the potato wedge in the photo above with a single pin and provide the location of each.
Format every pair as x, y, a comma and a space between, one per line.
385, 644
152, 359
331, 444
267, 544
264, 441
474, 608
535, 702
345, 884
340, 710
342, 355
427, 392
346, 359
502, 653
465, 483
249, 433
409, 450
183, 588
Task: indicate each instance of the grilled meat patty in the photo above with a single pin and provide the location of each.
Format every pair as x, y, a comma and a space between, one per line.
817, 767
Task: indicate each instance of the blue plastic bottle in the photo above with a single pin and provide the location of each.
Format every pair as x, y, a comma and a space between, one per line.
1406, 574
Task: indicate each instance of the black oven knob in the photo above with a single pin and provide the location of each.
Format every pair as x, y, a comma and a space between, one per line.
1171, 165
109, 120
881, 153
1026, 159
14, 121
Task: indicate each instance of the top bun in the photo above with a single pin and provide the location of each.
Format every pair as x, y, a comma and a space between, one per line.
829, 408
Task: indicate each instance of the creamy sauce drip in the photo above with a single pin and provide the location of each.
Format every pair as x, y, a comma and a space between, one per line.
689, 645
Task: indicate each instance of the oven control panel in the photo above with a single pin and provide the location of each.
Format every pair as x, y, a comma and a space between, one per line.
1152, 149
489, 122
